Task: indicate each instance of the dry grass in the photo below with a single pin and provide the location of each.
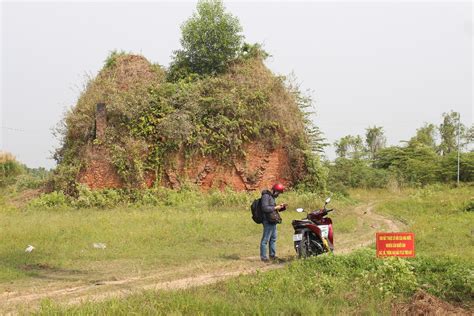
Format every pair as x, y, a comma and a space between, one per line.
6, 157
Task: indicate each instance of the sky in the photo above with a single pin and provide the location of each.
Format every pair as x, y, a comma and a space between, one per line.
396, 64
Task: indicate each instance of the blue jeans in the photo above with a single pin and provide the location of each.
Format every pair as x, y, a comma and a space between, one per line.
269, 235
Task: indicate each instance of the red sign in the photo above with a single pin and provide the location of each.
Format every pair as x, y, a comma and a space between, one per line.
395, 244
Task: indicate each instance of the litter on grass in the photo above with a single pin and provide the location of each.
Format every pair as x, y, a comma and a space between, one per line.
99, 245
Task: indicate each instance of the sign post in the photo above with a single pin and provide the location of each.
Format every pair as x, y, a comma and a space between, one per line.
395, 244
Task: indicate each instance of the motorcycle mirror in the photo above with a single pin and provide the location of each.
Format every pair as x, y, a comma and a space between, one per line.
300, 210
328, 200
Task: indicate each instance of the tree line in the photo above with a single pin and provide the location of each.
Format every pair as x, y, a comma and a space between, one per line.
429, 156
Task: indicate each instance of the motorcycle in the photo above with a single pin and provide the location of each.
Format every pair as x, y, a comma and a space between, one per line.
313, 234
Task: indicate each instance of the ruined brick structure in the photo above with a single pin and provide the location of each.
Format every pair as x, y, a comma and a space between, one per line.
100, 122
99, 172
259, 169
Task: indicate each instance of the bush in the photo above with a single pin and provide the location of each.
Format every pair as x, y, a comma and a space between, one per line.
27, 181
10, 169
446, 278
97, 198
391, 276
449, 167
51, 200
33, 178
469, 206
355, 173
418, 164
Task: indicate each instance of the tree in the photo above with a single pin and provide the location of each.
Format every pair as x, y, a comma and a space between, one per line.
425, 135
468, 137
414, 164
317, 141
355, 173
449, 170
375, 140
349, 146
210, 40
448, 131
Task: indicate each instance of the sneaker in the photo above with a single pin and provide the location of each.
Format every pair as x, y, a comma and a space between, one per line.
265, 259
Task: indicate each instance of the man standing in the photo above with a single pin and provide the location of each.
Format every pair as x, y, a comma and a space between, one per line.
270, 220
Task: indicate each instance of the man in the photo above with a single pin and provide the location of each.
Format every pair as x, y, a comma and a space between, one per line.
270, 220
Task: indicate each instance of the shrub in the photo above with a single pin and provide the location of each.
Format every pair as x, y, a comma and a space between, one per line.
9, 169
447, 278
27, 181
50, 200
33, 178
354, 173
97, 198
391, 276
469, 206
449, 167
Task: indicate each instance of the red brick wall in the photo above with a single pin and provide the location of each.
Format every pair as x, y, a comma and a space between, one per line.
259, 169
99, 172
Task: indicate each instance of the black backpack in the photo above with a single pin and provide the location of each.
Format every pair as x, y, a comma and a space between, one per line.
257, 214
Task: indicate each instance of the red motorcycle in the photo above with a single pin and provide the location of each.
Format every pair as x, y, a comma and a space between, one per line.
313, 234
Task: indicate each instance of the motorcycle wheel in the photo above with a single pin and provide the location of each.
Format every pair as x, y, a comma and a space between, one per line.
303, 247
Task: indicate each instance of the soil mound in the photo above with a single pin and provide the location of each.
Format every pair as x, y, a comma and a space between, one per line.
424, 303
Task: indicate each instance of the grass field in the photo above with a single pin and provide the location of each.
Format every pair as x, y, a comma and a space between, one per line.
351, 284
435, 213
184, 228
190, 233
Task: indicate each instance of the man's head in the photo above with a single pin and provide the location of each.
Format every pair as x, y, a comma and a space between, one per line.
277, 189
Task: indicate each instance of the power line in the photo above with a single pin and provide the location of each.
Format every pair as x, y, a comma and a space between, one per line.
16, 129
12, 129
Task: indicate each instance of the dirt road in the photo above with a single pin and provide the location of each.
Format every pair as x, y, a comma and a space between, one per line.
74, 291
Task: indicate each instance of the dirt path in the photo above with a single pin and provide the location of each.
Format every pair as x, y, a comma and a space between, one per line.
368, 223
76, 291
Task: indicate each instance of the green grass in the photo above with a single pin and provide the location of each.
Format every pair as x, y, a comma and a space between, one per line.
356, 283
436, 214
182, 228
222, 229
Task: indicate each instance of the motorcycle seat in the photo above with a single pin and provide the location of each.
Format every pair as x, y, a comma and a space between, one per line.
302, 222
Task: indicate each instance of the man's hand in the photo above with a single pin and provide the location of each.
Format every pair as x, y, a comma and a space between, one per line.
281, 207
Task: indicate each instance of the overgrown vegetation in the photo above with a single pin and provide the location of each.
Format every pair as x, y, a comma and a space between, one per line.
421, 161
216, 99
18, 177
9, 169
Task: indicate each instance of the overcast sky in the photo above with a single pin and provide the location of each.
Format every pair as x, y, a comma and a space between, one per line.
391, 64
